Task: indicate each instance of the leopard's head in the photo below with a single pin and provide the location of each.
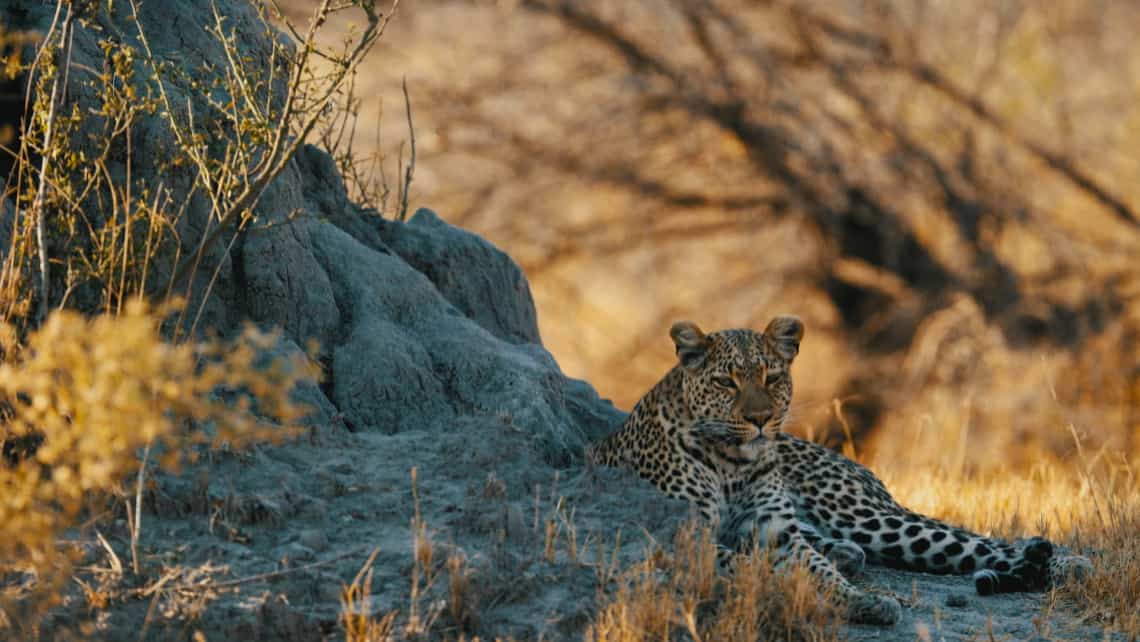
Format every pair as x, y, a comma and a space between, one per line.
737, 384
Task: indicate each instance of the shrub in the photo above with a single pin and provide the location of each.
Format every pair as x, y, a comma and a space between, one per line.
95, 392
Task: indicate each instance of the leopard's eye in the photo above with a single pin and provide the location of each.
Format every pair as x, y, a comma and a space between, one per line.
724, 382
774, 378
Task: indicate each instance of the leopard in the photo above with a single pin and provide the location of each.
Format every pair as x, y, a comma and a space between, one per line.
711, 432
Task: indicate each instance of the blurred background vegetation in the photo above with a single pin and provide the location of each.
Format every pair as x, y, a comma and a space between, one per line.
947, 193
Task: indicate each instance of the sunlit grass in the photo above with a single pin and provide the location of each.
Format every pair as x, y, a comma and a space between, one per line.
666, 596
1025, 467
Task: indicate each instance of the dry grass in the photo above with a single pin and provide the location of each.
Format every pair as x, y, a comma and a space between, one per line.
419, 619
1112, 593
355, 616
661, 598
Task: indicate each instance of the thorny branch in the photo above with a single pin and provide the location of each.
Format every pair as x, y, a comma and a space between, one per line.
304, 106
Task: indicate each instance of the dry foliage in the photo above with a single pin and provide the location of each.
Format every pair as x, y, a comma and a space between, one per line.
91, 394
1112, 593
355, 615
87, 403
95, 230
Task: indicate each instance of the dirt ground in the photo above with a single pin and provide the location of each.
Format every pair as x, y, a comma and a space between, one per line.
300, 521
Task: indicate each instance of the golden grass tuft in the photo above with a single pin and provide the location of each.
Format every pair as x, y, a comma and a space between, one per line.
659, 599
358, 624
1110, 596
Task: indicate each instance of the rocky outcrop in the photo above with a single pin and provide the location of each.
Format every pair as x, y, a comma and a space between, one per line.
432, 361
417, 348
418, 323
469, 272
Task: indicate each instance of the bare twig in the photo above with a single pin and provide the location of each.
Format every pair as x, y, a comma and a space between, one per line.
113, 560
889, 60
57, 89
403, 213
272, 574
137, 521
302, 109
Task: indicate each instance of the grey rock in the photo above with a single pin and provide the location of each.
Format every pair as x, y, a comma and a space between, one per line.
307, 392
516, 384
282, 282
369, 284
411, 359
313, 538
597, 417
383, 380
478, 278
327, 198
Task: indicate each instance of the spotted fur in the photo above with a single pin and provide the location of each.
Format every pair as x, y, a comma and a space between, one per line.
710, 432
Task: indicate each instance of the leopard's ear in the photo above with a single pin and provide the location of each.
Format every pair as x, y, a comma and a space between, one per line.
783, 335
692, 344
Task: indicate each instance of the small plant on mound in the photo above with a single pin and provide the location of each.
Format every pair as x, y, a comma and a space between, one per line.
95, 223
96, 392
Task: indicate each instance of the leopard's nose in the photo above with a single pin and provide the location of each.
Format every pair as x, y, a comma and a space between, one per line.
759, 418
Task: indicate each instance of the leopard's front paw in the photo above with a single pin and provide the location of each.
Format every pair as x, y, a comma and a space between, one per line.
873, 608
848, 558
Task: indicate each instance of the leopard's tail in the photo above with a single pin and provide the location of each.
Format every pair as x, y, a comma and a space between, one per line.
907, 540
